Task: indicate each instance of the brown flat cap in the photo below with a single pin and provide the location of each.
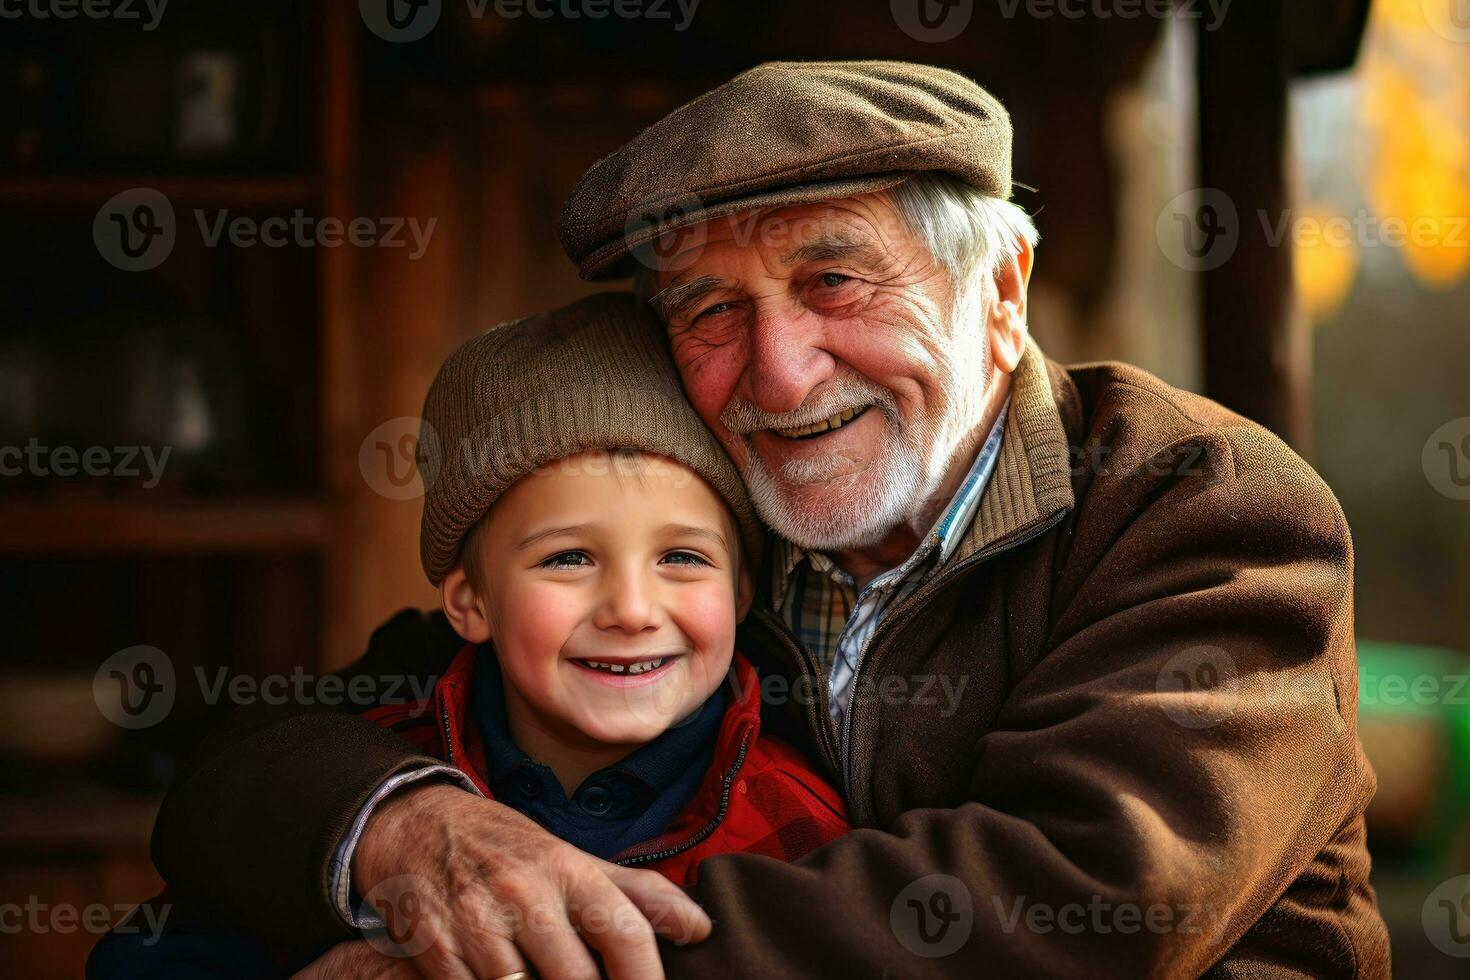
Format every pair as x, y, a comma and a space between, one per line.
779, 134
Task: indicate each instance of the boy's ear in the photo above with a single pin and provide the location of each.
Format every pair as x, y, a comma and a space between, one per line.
462, 606
744, 594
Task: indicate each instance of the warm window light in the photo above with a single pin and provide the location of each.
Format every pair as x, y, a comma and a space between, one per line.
1411, 156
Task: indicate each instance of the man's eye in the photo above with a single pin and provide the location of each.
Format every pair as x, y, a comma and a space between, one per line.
715, 310
567, 559
684, 558
833, 279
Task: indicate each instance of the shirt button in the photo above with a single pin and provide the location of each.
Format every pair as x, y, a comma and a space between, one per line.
528, 786
596, 800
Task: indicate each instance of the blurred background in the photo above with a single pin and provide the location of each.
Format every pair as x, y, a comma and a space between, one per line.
238, 239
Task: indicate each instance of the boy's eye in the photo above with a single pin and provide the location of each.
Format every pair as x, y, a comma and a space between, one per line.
684, 558
566, 559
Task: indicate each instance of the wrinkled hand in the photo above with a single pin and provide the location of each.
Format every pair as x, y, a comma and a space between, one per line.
471, 888
357, 959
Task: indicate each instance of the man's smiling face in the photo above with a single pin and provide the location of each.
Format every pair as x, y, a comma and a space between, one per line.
789, 321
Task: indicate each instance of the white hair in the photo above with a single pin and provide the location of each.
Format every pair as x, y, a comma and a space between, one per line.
966, 230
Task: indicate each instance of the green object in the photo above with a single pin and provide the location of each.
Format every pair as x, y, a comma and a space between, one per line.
1402, 681
1403, 678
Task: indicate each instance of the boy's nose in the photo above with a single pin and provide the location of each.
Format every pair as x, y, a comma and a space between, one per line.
628, 605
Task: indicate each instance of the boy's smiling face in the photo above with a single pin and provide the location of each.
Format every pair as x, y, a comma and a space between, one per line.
609, 585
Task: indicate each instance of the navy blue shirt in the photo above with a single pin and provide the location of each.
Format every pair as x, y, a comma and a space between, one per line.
624, 804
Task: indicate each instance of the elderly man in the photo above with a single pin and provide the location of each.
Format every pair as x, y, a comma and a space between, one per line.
1077, 645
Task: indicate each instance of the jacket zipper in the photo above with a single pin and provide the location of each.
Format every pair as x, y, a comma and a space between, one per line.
907, 611
448, 740
819, 715
708, 828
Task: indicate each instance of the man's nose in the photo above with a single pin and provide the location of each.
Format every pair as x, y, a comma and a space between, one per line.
628, 603
787, 359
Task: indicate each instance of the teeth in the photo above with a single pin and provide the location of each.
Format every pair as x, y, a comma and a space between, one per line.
638, 668
831, 422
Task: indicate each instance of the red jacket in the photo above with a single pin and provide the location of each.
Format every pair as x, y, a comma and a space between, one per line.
760, 796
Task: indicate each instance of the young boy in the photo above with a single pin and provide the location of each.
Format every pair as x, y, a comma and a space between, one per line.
593, 545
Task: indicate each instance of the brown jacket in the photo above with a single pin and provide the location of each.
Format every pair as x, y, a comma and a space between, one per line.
1151, 769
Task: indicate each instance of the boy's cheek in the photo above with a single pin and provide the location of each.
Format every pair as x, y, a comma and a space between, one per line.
536, 624
707, 618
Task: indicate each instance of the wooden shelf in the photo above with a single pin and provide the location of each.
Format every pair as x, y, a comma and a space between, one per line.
167, 527
92, 191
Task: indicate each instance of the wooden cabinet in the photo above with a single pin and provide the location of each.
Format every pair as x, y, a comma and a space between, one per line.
231, 554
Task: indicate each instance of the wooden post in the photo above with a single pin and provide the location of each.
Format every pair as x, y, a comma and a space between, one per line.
1255, 362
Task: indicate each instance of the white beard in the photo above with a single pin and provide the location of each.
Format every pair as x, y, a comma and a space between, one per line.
859, 510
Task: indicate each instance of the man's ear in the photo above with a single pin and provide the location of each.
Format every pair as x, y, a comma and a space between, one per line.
1006, 324
744, 594
463, 607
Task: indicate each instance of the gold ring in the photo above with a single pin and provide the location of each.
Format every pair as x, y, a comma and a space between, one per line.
518, 975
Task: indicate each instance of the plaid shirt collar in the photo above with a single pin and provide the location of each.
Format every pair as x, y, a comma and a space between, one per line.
938, 544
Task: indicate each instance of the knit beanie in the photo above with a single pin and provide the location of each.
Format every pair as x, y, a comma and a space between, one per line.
593, 375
